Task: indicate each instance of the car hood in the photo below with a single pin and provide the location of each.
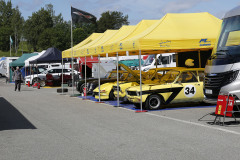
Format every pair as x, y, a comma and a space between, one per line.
147, 87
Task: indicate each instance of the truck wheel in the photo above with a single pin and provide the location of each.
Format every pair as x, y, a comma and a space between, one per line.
111, 95
154, 102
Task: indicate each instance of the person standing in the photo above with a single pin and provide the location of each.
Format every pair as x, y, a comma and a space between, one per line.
17, 77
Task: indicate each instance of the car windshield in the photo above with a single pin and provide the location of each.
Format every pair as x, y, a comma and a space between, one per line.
229, 40
149, 60
169, 77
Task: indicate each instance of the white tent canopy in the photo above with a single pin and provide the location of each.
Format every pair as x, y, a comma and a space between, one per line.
33, 58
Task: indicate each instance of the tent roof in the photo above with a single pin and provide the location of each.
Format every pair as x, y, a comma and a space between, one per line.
52, 55
84, 51
108, 45
33, 58
68, 53
176, 32
21, 60
126, 32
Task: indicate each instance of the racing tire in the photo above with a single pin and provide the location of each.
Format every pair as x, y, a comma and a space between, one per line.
42, 83
60, 90
81, 89
0, 75
70, 83
154, 102
111, 95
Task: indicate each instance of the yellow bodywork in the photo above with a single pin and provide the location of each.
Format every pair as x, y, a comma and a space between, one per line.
179, 85
151, 76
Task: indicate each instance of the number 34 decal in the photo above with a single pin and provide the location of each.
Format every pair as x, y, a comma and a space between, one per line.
189, 91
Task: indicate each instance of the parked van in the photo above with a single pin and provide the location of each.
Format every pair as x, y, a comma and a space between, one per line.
222, 69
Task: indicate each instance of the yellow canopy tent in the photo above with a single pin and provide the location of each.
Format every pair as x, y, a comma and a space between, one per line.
109, 45
123, 33
174, 33
84, 50
68, 53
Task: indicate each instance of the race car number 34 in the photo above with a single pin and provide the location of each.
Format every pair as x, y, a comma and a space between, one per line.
189, 91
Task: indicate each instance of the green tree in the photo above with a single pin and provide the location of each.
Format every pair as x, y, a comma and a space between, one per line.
36, 25
83, 31
111, 20
17, 27
6, 31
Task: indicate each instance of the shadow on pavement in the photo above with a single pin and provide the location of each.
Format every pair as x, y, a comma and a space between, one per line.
11, 118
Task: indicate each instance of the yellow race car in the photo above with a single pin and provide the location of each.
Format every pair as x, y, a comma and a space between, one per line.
151, 76
106, 90
176, 86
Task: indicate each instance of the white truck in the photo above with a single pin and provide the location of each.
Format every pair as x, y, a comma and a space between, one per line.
163, 60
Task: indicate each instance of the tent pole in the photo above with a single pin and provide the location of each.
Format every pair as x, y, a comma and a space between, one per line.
117, 82
62, 75
199, 59
72, 58
140, 79
85, 77
99, 99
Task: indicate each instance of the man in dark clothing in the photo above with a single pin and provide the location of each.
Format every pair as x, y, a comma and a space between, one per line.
17, 76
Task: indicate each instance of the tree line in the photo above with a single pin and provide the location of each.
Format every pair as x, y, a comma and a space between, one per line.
44, 29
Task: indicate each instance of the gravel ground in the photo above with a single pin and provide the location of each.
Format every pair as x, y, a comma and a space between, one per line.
41, 124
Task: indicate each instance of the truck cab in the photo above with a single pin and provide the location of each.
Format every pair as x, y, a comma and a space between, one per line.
222, 68
163, 60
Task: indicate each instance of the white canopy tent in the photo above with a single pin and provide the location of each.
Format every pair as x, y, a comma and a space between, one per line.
33, 58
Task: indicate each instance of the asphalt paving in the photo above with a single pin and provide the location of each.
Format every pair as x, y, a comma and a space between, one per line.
42, 124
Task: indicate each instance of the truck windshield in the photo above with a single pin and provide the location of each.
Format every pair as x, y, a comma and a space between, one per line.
229, 40
149, 60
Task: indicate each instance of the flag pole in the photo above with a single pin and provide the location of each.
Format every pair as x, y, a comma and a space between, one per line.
10, 47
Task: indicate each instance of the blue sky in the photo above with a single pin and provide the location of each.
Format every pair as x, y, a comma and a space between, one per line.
135, 9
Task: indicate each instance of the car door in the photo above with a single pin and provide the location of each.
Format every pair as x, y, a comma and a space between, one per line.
192, 89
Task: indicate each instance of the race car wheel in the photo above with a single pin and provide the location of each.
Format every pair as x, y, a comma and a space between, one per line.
111, 95
35, 80
154, 102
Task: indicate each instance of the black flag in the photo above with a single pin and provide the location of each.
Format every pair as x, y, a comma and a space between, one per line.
82, 16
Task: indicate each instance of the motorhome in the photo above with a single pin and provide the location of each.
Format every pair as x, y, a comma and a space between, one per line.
222, 69
4, 66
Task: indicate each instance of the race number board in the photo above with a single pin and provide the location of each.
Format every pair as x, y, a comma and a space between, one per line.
222, 104
189, 91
